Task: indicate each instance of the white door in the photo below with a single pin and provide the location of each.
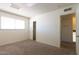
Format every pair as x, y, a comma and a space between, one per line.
77, 30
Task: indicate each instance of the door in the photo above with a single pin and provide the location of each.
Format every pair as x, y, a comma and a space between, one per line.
34, 30
66, 28
77, 30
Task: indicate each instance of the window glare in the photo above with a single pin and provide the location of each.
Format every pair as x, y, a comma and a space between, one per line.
20, 24
10, 23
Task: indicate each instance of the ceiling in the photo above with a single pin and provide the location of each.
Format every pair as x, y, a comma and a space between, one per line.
31, 9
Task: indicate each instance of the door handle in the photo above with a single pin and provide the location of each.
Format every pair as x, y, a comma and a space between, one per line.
77, 36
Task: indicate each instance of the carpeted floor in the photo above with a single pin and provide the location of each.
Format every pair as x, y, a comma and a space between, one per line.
68, 45
30, 47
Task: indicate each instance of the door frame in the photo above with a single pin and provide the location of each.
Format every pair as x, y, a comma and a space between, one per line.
60, 24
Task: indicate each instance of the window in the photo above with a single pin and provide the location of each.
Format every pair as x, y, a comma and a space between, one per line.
19, 24
10, 23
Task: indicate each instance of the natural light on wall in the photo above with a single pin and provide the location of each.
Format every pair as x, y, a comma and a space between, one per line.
12, 23
74, 28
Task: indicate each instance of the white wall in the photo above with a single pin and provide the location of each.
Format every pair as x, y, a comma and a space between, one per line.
48, 26
77, 29
10, 36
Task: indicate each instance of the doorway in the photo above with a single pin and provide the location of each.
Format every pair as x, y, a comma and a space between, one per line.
34, 30
68, 32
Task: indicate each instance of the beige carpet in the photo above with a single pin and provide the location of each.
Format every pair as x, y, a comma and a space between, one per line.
30, 47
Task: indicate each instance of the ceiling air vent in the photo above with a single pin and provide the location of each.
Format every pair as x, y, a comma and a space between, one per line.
68, 9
